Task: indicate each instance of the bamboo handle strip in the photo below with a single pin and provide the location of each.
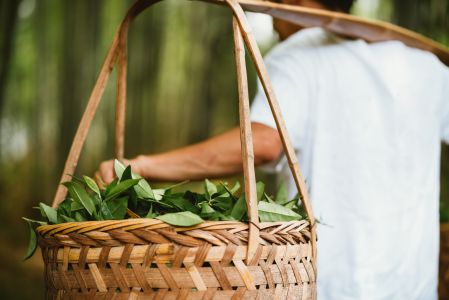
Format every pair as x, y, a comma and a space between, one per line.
95, 98
275, 109
120, 112
246, 142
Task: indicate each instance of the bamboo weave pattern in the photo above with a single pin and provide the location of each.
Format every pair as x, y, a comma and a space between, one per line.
148, 259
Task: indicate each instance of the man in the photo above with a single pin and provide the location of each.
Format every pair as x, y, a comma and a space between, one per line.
367, 121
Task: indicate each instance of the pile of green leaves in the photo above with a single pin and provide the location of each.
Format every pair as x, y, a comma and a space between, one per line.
130, 196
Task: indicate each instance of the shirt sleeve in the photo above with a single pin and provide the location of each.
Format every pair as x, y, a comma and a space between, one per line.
293, 93
445, 116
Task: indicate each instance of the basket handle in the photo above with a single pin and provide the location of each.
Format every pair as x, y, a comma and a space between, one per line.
246, 140
245, 30
118, 51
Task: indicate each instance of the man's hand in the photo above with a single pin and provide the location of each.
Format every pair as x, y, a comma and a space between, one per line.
106, 174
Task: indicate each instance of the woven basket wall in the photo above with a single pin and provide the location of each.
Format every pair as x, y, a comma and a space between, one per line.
148, 259
443, 286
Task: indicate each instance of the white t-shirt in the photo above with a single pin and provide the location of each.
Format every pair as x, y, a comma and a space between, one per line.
366, 121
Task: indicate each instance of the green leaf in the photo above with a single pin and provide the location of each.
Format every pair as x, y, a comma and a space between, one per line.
216, 216
268, 198
120, 188
119, 168
290, 204
181, 203
118, 207
223, 204
185, 218
109, 187
151, 214
143, 189
239, 210
235, 188
223, 217
92, 185
65, 208
209, 188
32, 244
75, 206
65, 218
222, 191
161, 204
206, 209
158, 193
260, 187
282, 194
79, 217
35, 221
176, 185
105, 213
231, 192
79, 194
272, 212
127, 174
194, 197
299, 209
49, 212
77, 179
97, 200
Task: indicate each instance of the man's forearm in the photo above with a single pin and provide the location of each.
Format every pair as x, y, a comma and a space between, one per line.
217, 156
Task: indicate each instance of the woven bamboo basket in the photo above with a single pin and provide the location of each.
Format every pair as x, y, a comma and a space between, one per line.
149, 259
146, 258
443, 286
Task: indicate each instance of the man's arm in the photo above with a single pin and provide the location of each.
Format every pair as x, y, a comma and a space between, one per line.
215, 157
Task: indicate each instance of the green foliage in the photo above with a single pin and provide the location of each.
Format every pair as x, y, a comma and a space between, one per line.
80, 195
184, 218
272, 212
130, 195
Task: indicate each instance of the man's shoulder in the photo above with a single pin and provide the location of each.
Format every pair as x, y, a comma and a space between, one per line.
303, 42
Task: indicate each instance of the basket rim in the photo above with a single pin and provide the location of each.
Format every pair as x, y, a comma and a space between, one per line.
129, 224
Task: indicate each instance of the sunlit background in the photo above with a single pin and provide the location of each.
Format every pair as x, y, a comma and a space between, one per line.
181, 88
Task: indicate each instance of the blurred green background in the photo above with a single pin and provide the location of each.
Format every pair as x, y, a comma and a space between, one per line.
181, 89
